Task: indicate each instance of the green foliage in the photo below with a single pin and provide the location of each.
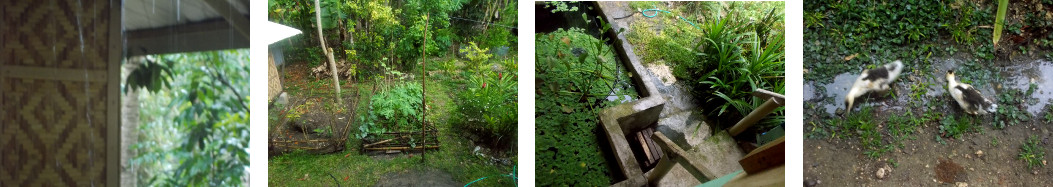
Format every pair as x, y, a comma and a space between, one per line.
576, 72
148, 76
489, 104
955, 127
195, 132
394, 110
734, 60
375, 30
999, 20
1049, 114
1032, 153
1010, 109
561, 6
884, 31
476, 56
669, 44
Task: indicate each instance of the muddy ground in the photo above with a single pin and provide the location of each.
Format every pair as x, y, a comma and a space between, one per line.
986, 158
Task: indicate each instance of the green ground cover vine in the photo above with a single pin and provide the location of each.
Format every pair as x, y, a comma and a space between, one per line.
576, 73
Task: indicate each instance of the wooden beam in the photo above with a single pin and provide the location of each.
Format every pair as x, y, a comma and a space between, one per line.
113, 90
754, 116
208, 35
42, 73
770, 155
772, 177
239, 21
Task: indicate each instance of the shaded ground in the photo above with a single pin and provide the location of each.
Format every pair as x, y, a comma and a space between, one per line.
425, 177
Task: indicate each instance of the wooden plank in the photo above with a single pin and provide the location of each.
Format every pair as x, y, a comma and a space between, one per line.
207, 35
113, 90
237, 20
654, 148
401, 148
764, 157
754, 116
43, 73
772, 177
644, 148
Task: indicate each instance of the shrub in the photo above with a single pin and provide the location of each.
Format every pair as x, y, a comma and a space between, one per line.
394, 110
476, 56
489, 105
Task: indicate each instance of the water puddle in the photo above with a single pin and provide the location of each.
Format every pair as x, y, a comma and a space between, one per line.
1019, 76
837, 90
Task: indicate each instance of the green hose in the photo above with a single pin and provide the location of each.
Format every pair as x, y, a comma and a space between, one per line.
656, 11
512, 175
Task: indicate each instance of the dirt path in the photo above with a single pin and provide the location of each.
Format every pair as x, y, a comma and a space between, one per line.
425, 177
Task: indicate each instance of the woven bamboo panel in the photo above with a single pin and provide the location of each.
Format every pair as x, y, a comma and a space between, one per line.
53, 132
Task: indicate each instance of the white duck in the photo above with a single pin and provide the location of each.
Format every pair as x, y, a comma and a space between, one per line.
968, 97
876, 79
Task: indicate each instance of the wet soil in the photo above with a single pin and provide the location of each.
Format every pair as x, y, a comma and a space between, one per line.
423, 177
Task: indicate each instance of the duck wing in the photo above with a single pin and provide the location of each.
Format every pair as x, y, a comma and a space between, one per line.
972, 97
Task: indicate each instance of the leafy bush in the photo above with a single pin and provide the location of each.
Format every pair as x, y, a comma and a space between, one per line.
476, 56
734, 61
489, 105
394, 110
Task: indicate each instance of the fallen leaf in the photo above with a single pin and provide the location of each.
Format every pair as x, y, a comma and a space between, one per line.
850, 57
565, 40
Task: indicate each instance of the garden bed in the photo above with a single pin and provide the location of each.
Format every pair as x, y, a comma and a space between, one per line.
313, 123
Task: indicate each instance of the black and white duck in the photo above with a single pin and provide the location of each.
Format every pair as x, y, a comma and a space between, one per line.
968, 97
877, 79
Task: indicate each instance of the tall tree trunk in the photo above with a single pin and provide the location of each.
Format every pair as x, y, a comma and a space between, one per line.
129, 126
328, 52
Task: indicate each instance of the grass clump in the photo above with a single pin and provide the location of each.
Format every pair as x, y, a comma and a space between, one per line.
1032, 153
955, 127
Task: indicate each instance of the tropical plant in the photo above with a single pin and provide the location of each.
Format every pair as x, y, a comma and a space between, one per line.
195, 131
394, 110
489, 105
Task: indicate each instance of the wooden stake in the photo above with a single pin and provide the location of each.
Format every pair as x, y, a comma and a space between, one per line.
385, 141
423, 86
403, 148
